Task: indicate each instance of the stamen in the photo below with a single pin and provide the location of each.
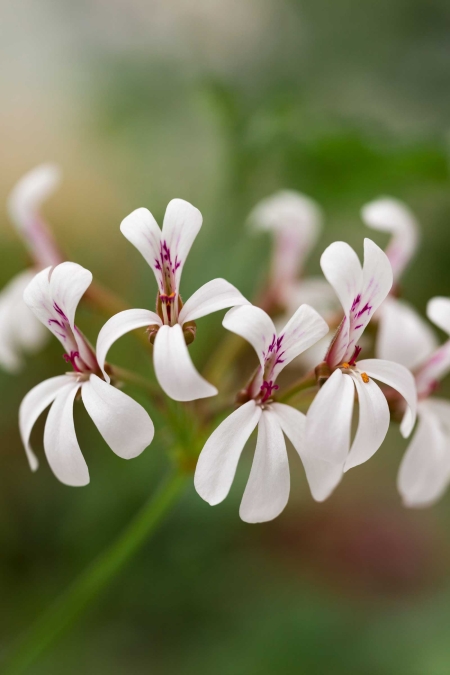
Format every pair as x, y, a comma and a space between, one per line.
266, 390
356, 353
346, 365
365, 378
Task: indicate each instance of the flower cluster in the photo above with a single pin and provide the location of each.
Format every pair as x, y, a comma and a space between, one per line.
395, 380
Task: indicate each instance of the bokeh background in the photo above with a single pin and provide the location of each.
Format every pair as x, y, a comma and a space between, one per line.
221, 102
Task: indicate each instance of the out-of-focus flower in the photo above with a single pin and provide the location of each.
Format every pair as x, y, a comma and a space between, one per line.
20, 332
267, 490
424, 472
53, 296
172, 325
391, 215
328, 426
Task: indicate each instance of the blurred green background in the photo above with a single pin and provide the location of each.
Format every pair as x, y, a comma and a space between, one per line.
221, 102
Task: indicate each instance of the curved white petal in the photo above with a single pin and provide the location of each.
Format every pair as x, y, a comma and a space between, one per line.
424, 473
211, 297
267, 490
68, 283
391, 215
295, 221
374, 418
174, 369
34, 403
141, 230
119, 325
399, 378
219, 458
438, 311
123, 423
24, 204
302, 331
343, 271
60, 441
328, 422
254, 325
403, 336
182, 223
322, 476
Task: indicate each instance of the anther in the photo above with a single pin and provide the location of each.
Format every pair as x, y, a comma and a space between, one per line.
365, 378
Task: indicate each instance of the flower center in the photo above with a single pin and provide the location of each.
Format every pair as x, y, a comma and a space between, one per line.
266, 390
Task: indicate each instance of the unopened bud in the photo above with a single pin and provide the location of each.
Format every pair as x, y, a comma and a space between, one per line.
189, 331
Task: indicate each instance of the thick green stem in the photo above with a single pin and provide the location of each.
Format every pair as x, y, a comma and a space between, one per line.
59, 617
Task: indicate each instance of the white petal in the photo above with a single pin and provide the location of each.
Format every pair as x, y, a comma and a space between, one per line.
254, 325
267, 490
219, 458
182, 223
34, 403
295, 221
24, 204
123, 423
399, 378
343, 271
174, 369
329, 418
322, 476
403, 336
304, 329
425, 469
119, 325
374, 418
213, 296
438, 311
60, 441
391, 215
141, 229
377, 282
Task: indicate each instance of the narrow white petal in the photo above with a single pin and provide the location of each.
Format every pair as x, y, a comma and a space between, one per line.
254, 325
60, 441
141, 230
425, 469
391, 215
322, 476
343, 271
374, 418
34, 403
328, 422
119, 325
438, 311
219, 458
403, 336
24, 205
376, 284
213, 296
123, 423
182, 223
68, 283
267, 490
304, 329
399, 378
174, 369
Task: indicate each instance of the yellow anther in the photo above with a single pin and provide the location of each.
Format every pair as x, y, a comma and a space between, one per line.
365, 377
346, 365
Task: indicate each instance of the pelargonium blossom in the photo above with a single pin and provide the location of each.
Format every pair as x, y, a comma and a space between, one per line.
20, 332
53, 296
361, 290
424, 473
267, 490
172, 325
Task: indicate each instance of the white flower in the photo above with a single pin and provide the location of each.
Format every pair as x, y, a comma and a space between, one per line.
53, 296
424, 473
267, 490
20, 332
391, 215
166, 251
328, 426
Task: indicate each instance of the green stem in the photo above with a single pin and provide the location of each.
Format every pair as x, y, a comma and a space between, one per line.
130, 377
306, 382
64, 612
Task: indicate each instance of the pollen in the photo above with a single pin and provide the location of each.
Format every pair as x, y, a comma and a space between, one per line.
365, 377
346, 365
